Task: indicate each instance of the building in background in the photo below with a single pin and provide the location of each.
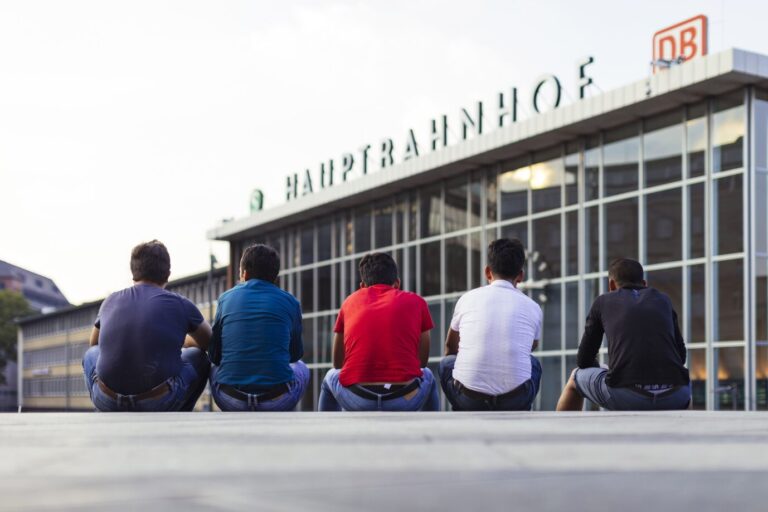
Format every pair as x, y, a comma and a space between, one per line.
42, 294
671, 170
51, 347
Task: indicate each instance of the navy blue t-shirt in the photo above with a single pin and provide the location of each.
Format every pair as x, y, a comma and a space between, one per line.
141, 332
256, 335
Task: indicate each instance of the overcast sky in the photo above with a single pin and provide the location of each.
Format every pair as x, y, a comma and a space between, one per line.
126, 121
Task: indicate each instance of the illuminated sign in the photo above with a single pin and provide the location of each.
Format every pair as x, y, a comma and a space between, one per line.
545, 95
681, 42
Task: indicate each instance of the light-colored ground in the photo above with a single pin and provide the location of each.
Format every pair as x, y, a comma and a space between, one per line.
696, 461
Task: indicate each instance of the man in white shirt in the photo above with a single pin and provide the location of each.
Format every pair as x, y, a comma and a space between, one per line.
488, 363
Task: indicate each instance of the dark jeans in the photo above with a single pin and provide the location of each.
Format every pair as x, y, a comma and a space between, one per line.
522, 401
591, 385
185, 388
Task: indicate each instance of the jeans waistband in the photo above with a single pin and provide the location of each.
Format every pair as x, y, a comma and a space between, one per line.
366, 393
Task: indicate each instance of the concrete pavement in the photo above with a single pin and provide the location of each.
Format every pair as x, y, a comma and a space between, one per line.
702, 461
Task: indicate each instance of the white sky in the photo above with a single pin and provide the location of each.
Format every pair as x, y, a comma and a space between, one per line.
126, 121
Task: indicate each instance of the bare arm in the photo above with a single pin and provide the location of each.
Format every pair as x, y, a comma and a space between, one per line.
424, 349
338, 350
535, 345
199, 337
94, 337
452, 343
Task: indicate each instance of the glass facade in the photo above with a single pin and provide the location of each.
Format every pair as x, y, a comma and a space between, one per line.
675, 190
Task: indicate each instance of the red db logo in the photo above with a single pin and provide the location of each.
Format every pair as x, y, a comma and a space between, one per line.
680, 42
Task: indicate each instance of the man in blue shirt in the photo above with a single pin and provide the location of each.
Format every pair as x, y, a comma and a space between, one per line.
256, 345
147, 345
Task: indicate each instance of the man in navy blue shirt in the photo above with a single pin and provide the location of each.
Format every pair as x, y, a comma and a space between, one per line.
147, 345
256, 345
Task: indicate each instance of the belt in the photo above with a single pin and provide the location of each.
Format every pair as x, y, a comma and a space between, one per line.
156, 392
476, 395
646, 393
263, 396
397, 391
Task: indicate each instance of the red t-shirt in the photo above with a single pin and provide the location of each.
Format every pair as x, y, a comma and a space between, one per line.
382, 327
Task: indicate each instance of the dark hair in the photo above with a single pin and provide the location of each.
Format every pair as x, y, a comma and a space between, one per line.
378, 268
626, 272
261, 262
150, 261
506, 257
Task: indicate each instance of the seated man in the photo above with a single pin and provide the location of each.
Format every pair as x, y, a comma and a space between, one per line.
646, 352
256, 345
488, 363
380, 347
141, 358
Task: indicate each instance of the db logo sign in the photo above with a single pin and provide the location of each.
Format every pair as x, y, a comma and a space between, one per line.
680, 42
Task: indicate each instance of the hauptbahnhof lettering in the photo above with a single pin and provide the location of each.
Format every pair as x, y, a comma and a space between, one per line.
671, 170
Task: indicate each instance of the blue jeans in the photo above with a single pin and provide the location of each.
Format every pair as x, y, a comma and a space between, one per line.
285, 402
591, 385
335, 397
185, 388
460, 402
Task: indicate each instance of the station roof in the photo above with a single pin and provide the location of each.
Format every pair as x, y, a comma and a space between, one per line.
683, 84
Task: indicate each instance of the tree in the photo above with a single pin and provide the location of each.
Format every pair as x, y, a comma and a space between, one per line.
12, 305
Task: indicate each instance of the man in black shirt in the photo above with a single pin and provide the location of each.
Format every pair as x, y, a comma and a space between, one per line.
646, 353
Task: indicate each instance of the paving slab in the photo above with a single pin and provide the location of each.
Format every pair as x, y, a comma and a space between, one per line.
703, 461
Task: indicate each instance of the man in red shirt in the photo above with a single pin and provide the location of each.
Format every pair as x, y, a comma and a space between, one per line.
380, 347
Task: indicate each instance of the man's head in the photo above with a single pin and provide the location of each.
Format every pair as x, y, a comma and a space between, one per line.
151, 262
625, 272
506, 259
260, 261
378, 268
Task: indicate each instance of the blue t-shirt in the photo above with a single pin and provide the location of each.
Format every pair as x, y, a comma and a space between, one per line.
256, 334
141, 332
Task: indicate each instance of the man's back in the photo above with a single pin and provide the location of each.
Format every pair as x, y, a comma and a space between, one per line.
497, 326
382, 327
260, 334
141, 332
644, 341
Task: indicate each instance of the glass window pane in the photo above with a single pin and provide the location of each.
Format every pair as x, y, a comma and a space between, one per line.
697, 304
697, 368
572, 334
513, 185
436, 334
400, 211
546, 242
413, 219
670, 282
572, 175
761, 376
664, 230
729, 308
348, 234
307, 245
621, 230
761, 299
430, 212
551, 382
324, 240
308, 336
696, 205
761, 212
663, 148
591, 292
475, 199
592, 170
341, 288
761, 129
430, 269
410, 282
324, 336
363, 230
549, 299
728, 214
728, 133
546, 179
491, 190
382, 224
354, 275
456, 264
456, 205
729, 368
572, 243
592, 243
477, 261
307, 290
324, 291
697, 139
518, 230
620, 160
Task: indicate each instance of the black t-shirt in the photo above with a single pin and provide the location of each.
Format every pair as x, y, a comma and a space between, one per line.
141, 332
644, 341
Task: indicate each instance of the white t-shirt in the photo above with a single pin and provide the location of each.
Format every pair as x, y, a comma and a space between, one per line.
497, 325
